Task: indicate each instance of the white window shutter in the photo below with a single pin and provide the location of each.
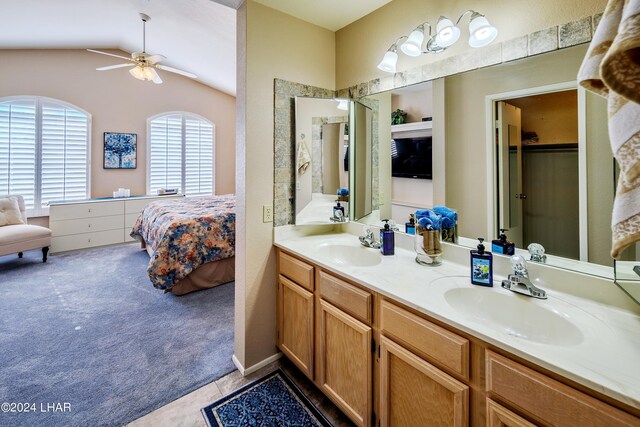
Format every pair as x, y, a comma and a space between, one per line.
44, 148
181, 154
18, 149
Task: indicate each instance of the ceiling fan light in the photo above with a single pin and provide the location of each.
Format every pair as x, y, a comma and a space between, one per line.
137, 72
389, 61
481, 31
446, 33
413, 45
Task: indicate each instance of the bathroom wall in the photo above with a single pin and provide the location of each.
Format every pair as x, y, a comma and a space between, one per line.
119, 103
270, 45
361, 45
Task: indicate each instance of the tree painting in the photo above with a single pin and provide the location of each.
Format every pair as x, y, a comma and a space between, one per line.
120, 150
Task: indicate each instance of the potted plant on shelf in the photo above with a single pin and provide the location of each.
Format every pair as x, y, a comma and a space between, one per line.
398, 117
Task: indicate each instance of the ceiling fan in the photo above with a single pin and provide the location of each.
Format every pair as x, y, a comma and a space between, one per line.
144, 64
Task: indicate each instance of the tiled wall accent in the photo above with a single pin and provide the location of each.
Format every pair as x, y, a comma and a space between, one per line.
375, 158
284, 145
547, 40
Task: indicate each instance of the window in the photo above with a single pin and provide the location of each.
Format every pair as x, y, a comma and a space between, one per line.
44, 151
181, 153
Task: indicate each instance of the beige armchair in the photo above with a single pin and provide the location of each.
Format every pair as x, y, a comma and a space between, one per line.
18, 238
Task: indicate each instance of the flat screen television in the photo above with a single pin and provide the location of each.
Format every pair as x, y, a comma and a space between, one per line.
411, 158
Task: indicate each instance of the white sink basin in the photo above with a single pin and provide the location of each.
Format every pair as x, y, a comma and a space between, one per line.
350, 255
533, 320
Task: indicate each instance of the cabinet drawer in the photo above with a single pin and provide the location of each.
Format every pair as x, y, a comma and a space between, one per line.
85, 225
87, 240
85, 210
345, 296
296, 270
548, 400
130, 219
449, 350
499, 416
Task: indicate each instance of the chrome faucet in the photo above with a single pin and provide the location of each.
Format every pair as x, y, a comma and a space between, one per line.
338, 216
369, 240
519, 281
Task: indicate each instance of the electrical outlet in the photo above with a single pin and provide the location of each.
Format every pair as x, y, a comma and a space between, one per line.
267, 213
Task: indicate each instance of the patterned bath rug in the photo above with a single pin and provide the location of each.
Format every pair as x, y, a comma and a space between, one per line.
273, 400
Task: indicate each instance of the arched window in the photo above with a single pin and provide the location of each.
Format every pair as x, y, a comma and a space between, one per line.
44, 151
181, 147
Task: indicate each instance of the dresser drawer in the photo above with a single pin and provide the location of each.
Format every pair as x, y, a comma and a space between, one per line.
130, 219
429, 340
296, 270
546, 399
87, 240
85, 210
345, 296
85, 225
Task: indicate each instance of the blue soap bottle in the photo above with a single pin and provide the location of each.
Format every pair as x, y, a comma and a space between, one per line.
410, 227
481, 266
387, 240
501, 245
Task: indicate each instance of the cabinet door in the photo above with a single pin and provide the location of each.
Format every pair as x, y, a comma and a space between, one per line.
295, 324
499, 416
344, 359
415, 393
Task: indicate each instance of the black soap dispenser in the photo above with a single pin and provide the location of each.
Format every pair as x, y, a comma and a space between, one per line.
410, 227
501, 245
387, 241
481, 266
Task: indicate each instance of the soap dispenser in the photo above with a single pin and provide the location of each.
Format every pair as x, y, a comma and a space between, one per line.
387, 243
337, 208
410, 227
481, 266
501, 245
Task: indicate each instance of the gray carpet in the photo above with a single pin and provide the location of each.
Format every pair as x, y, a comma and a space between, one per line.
88, 329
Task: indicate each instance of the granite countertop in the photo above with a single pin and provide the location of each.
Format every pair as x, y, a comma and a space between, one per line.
602, 347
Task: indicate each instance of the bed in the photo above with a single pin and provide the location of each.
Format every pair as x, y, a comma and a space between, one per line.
191, 242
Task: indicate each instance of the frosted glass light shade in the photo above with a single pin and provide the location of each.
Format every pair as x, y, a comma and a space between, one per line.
389, 62
446, 33
413, 45
481, 32
142, 73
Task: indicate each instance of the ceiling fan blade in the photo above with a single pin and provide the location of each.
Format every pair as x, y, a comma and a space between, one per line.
111, 67
156, 78
154, 59
109, 54
175, 70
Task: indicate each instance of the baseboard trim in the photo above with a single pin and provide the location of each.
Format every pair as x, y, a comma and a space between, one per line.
246, 371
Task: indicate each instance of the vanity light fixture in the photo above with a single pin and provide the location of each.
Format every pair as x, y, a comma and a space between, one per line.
481, 33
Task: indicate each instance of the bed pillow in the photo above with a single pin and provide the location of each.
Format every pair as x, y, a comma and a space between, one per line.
10, 211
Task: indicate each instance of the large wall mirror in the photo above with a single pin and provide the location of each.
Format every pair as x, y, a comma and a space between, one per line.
524, 149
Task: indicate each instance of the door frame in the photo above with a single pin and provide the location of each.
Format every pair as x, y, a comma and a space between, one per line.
491, 166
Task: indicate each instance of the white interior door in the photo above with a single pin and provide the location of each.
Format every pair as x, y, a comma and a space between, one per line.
510, 172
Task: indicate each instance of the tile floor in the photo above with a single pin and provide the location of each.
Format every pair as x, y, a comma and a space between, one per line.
185, 411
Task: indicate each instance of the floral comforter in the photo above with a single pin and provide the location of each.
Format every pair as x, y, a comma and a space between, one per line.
186, 233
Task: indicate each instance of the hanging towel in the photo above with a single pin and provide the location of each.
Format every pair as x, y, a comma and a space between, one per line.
304, 158
611, 68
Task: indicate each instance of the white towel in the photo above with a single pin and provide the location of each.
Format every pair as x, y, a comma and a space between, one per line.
304, 158
611, 68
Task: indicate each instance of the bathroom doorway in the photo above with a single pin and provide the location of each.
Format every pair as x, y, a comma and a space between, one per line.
538, 171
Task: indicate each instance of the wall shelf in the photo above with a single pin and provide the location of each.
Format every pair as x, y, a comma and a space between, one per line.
409, 127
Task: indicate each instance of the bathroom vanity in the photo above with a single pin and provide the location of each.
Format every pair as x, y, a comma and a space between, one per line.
391, 342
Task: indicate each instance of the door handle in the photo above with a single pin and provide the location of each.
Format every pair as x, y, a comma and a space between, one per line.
521, 196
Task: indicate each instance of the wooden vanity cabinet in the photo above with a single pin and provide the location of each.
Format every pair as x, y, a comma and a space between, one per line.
295, 312
395, 366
